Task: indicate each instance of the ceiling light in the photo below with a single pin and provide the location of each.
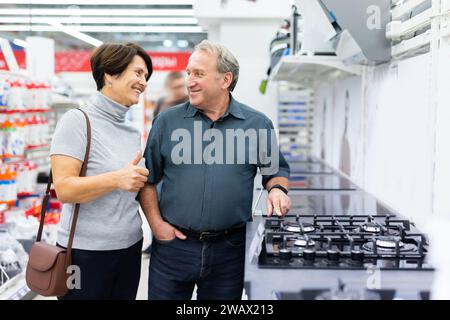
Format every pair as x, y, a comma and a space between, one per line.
100, 2
20, 43
182, 43
98, 12
100, 20
106, 28
76, 34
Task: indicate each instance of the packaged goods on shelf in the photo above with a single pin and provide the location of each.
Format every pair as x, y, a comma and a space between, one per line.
13, 137
25, 132
17, 179
8, 185
4, 87
22, 221
20, 132
37, 130
33, 209
13, 258
17, 93
27, 173
21, 95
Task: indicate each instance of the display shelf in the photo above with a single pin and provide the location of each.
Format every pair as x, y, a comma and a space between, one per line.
37, 147
21, 74
30, 148
12, 159
16, 289
28, 194
308, 70
295, 115
8, 111
14, 286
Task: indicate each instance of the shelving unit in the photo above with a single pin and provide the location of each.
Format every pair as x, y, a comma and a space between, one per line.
3, 111
16, 289
310, 70
295, 116
13, 285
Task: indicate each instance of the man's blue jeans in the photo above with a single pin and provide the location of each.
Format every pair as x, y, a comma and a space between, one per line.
216, 267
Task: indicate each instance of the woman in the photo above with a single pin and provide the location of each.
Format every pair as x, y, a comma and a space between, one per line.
108, 237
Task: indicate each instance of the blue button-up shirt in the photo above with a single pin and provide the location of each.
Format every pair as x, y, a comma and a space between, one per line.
208, 180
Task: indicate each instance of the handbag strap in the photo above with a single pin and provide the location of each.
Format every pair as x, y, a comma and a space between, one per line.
77, 205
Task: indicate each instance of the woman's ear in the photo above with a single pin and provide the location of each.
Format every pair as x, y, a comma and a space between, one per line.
108, 80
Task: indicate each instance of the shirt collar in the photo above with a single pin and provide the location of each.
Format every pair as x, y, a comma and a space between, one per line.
234, 109
109, 107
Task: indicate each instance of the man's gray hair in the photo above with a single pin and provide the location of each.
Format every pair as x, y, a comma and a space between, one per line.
226, 61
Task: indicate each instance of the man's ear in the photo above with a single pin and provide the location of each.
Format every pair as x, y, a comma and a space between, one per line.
228, 78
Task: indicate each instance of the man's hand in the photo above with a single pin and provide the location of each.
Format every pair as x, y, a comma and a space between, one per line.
279, 202
164, 231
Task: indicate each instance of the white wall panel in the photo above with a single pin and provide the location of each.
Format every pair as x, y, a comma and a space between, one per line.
390, 133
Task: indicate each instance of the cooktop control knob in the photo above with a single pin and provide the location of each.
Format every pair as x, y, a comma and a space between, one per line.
309, 255
357, 256
285, 254
333, 255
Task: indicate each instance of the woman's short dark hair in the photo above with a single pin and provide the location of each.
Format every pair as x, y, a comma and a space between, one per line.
113, 59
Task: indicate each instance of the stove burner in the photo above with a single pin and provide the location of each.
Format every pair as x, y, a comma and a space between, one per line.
301, 242
371, 227
295, 227
388, 243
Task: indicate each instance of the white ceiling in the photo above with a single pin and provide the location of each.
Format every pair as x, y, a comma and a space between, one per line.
164, 25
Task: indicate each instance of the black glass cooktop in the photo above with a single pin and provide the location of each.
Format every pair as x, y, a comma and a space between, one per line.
316, 168
319, 182
332, 203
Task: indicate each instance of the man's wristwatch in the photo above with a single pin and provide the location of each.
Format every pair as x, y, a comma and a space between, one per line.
279, 186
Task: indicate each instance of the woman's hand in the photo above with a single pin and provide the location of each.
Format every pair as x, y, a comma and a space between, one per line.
132, 177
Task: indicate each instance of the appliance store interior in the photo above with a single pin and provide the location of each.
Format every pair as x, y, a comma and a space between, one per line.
357, 92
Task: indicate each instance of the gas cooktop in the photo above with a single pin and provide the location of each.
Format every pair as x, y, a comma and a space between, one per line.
343, 242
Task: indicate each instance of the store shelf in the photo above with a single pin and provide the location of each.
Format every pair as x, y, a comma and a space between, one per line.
21, 74
309, 70
37, 147
28, 194
7, 111
292, 103
16, 289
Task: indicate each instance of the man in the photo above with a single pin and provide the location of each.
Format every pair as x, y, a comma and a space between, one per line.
199, 222
175, 88
175, 93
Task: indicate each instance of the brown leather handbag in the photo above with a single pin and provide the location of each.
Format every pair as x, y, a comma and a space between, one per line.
46, 272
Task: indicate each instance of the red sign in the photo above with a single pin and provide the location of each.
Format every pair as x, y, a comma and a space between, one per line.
72, 61
78, 61
20, 57
170, 61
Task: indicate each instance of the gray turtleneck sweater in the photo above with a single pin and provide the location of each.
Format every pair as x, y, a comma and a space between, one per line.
112, 221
